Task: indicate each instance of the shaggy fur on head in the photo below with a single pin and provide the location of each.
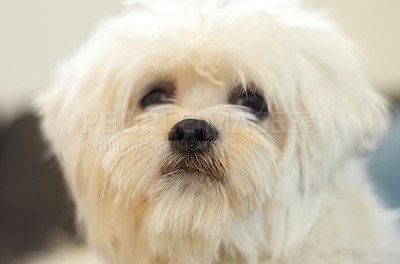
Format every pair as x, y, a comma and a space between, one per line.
283, 187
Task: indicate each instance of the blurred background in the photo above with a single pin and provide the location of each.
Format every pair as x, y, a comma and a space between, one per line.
35, 36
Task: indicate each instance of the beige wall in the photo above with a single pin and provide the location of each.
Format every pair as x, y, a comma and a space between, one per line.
375, 26
37, 35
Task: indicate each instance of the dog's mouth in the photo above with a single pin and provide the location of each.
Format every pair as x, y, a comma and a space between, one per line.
205, 163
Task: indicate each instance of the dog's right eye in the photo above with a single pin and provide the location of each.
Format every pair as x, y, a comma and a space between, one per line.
154, 97
160, 94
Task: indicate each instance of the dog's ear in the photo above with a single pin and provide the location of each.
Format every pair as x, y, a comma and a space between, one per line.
342, 119
61, 113
349, 116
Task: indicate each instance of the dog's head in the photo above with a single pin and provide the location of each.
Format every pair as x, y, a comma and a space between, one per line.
194, 119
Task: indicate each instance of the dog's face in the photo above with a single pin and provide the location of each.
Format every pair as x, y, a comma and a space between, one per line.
198, 120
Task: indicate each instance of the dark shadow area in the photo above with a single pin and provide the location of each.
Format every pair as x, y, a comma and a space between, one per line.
34, 204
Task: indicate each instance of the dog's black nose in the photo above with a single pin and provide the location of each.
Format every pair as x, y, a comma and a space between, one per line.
192, 135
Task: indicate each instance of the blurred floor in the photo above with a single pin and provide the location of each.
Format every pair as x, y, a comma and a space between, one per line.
34, 204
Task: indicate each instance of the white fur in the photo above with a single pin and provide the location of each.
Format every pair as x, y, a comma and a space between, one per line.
291, 195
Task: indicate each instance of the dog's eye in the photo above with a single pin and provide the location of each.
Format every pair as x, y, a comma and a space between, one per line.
254, 101
160, 94
154, 97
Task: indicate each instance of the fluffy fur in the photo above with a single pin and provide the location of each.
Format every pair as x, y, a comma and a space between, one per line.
288, 188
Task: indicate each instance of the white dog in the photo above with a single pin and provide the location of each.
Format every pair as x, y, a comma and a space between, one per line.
220, 132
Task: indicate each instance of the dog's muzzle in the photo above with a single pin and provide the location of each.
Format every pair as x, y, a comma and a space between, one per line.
194, 151
192, 135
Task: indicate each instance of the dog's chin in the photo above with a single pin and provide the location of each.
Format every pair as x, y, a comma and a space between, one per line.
189, 197
189, 180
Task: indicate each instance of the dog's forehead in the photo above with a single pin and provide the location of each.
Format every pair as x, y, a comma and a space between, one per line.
201, 92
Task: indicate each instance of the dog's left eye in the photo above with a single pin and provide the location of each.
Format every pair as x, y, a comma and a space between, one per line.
254, 101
